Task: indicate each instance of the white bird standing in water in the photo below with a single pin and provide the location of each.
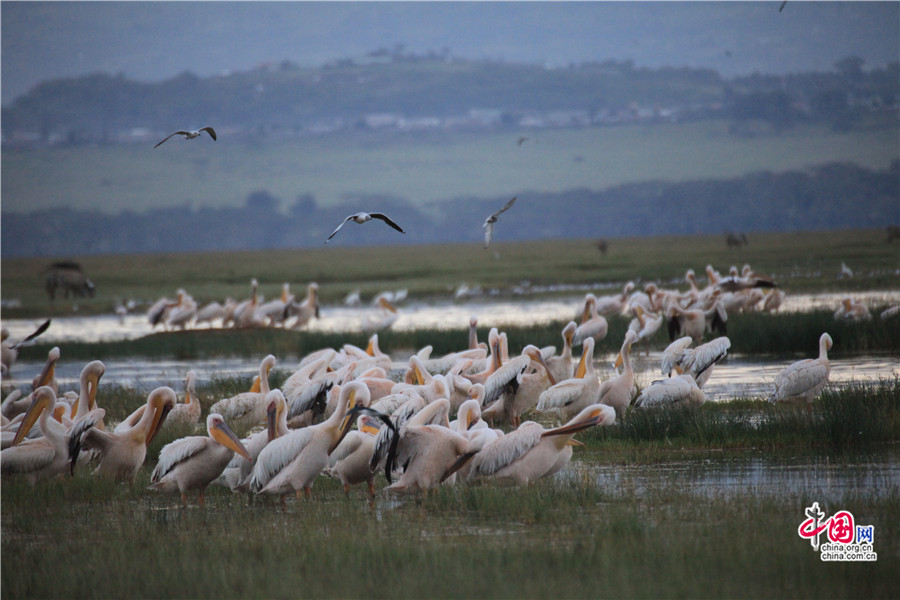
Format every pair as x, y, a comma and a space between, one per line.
489, 222
803, 380
189, 135
363, 217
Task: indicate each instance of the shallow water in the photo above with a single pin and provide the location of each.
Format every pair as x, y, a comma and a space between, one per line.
822, 477
737, 376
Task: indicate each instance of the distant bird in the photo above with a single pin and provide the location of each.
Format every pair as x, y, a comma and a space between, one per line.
362, 217
189, 135
845, 271
489, 222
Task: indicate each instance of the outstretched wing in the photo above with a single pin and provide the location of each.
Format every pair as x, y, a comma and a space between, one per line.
36, 333
179, 132
210, 131
387, 220
506, 207
338, 228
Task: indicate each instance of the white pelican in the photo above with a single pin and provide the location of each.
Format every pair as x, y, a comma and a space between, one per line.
349, 462
245, 313
9, 352
183, 311
532, 452
852, 310
645, 325
123, 451
592, 325
158, 312
237, 474
276, 310
247, 409
189, 411
293, 461
694, 322
45, 456
615, 304
306, 310
747, 280
570, 396
523, 392
363, 217
310, 403
803, 380
618, 391
214, 310
192, 463
493, 218
674, 391
562, 366
697, 362
773, 300
384, 320
190, 134
428, 454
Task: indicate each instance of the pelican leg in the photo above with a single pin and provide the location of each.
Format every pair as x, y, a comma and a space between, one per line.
202, 499
371, 484
299, 495
183, 500
308, 491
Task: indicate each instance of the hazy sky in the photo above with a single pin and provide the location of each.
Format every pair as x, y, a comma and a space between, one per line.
149, 41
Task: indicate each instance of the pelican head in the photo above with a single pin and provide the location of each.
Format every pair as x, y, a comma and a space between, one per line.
161, 401
219, 431
825, 341
534, 353
568, 332
354, 394
630, 337
43, 398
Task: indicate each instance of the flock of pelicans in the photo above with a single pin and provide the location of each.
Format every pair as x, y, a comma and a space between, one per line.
341, 413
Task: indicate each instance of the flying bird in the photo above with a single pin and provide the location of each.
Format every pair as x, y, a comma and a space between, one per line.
489, 222
189, 135
362, 217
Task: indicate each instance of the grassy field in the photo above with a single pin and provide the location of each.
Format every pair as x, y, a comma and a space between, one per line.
800, 262
421, 168
567, 537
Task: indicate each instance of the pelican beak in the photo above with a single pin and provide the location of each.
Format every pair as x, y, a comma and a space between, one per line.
581, 369
459, 464
38, 404
619, 361
370, 349
346, 424
679, 370
537, 357
158, 419
385, 304
574, 442
223, 434
420, 378
255, 388
58, 412
370, 429
47, 373
473, 422
271, 417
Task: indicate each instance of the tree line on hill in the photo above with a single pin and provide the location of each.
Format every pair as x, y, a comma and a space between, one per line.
834, 196
286, 99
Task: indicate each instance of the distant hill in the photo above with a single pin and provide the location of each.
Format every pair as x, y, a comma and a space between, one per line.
836, 196
394, 90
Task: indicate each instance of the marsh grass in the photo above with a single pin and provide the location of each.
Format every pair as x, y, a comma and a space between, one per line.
80, 537
842, 417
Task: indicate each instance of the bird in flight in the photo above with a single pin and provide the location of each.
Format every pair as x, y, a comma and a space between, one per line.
362, 217
189, 135
489, 222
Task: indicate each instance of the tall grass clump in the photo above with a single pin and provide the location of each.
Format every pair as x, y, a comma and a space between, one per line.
798, 333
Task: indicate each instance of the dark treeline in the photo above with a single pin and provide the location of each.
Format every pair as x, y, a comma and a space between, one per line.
834, 196
286, 99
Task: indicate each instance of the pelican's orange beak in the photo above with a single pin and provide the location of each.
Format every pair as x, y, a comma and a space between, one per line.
223, 434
